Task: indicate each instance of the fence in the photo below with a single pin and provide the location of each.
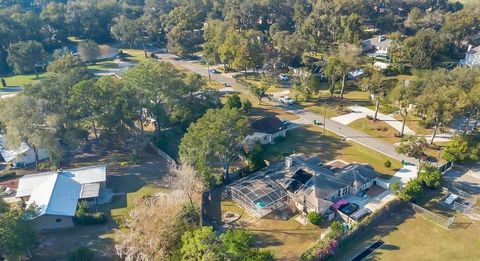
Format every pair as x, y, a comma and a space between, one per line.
427, 214
164, 155
445, 167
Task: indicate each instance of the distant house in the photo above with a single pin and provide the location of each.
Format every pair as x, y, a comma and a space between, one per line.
304, 183
472, 57
378, 44
22, 155
57, 193
266, 130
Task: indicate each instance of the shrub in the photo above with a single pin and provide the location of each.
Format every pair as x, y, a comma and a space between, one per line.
336, 230
314, 218
81, 254
255, 158
395, 187
430, 176
246, 106
411, 191
82, 217
387, 164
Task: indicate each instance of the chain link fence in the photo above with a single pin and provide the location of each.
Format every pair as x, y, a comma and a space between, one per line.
429, 215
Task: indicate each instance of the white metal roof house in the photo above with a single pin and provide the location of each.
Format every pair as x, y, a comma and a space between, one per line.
23, 154
58, 193
472, 57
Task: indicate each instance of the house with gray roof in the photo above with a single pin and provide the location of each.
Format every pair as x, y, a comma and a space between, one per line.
305, 183
57, 193
379, 44
266, 130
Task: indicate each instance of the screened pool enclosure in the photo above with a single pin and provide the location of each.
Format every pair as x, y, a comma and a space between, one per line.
258, 194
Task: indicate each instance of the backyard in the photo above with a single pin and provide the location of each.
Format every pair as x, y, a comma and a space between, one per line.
286, 239
130, 182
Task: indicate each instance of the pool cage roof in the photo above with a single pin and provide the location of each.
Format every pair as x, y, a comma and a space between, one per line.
258, 194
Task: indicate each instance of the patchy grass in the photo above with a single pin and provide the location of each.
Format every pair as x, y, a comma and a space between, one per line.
286, 239
311, 141
413, 123
412, 237
377, 129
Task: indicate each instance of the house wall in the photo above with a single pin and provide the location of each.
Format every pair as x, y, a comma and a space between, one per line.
472, 59
381, 50
29, 156
263, 138
47, 222
338, 194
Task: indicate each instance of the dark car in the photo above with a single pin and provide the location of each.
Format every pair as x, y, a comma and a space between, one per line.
349, 209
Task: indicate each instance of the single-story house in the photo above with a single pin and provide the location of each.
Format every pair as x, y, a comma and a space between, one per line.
356, 74
266, 130
23, 154
472, 57
308, 184
378, 44
57, 193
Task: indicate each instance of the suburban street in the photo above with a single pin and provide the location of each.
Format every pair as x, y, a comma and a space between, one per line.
306, 117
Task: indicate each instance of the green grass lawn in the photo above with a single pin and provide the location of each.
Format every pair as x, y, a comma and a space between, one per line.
286, 239
410, 237
23, 79
311, 141
377, 129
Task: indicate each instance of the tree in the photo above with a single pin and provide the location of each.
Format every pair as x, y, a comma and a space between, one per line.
215, 137
127, 30
412, 190
422, 48
413, 147
430, 176
403, 95
18, 236
395, 187
348, 56
378, 87
237, 245
201, 244
88, 51
26, 122
187, 180
154, 228
25, 56
64, 64
256, 158
333, 72
182, 42
233, 102
457, 149
439, 105
260, 90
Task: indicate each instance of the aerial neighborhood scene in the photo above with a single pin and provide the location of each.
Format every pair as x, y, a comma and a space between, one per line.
239, 130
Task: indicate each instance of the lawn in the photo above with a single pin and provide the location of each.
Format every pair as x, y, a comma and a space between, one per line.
377, 129
311, 141
286, 239
410, 237
23, 79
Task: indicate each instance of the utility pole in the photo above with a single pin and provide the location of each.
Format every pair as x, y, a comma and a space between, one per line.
325, 118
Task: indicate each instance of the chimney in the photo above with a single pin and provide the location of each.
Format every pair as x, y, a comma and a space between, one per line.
469, 48
289, 161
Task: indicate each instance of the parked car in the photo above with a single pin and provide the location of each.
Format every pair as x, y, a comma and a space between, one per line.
213, 71
349, 209
285, 123
286, 100
284, 77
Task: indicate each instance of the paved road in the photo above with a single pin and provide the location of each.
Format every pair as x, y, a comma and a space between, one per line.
306, 117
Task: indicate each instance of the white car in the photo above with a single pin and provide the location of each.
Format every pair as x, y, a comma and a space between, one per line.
287, 100
284, 77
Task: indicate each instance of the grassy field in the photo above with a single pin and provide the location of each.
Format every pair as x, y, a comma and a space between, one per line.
21, 80
311, 141
378, 129
286, 239
408, 236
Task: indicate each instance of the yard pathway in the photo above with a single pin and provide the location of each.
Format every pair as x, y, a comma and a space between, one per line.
306, 117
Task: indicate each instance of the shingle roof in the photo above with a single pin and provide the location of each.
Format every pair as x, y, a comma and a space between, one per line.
270, 125
357, 173
375, 41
